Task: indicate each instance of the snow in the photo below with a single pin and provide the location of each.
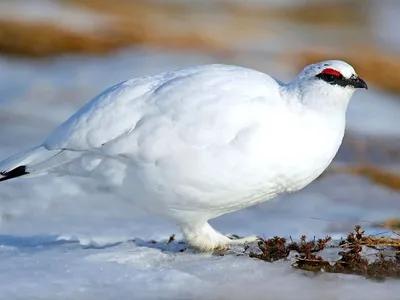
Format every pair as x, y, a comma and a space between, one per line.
68, 238
68, 271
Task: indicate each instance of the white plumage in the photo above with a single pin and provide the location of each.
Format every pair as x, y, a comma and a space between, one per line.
201, 142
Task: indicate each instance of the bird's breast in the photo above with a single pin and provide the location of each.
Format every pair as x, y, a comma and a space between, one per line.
257, 163
306, 156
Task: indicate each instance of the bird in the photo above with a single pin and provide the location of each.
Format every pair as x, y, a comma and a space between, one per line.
197, 143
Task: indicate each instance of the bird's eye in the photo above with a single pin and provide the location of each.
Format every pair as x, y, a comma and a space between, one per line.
329, 77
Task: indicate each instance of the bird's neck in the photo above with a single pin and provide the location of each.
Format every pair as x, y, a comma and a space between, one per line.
332, 100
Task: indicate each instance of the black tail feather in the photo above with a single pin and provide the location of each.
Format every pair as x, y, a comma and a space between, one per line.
18, 171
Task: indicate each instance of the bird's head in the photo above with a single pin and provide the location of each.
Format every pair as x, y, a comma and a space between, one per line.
327, 83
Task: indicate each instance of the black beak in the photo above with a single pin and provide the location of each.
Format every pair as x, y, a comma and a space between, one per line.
358, 83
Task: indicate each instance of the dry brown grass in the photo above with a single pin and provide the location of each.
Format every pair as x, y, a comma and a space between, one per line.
374, 173
327, 13
318, 13
374, 241
40, 39
196, 27
334, 13
393, 223
162, 24
351, 261
125, 25
175, 25
374, 65
43, 39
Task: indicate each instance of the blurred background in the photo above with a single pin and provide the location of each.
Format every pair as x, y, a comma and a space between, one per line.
56, 55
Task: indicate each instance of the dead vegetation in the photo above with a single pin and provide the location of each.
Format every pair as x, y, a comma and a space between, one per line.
39, 40
213, 27
272, 250
393, 223
383, 261
374, 173
171, 239
163, 24
125, 24
351, 260
326, 13
318, 13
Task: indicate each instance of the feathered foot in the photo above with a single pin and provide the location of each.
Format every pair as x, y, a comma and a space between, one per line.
205, 238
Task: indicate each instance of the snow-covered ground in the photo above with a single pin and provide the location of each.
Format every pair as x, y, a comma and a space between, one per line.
66, 238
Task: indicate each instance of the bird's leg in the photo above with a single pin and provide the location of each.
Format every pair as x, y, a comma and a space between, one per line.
206, 238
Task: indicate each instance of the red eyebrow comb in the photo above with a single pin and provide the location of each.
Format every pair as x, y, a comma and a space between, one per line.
331, 72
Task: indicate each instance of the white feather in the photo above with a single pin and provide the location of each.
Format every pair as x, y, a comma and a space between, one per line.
201, 142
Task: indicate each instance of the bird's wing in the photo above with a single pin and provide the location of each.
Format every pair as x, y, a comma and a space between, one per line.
195, 101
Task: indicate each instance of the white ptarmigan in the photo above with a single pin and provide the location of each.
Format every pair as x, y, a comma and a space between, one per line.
201, 142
